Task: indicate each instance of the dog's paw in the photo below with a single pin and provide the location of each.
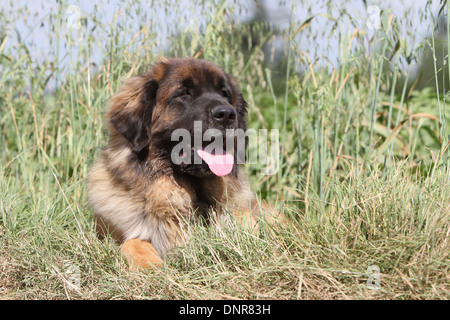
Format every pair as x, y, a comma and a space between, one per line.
141, 254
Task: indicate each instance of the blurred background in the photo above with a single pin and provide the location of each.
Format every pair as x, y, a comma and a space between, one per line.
43, 28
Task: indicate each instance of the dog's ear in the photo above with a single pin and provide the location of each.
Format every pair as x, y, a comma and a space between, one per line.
131, 111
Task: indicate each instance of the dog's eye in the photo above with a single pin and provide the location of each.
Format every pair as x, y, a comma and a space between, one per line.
185, 92
225, 93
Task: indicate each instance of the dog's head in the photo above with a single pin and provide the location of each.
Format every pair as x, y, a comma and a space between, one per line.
183, 111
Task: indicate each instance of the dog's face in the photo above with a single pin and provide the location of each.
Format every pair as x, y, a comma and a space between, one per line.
184, 97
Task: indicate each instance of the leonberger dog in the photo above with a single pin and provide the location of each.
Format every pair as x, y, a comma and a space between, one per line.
141, 197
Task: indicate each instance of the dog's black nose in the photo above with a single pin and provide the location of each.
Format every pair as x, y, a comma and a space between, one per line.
224, 115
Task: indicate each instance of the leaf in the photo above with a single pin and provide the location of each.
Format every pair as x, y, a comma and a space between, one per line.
303, 26
391, 137
397, 129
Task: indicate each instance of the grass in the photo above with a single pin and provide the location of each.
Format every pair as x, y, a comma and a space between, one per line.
363, 176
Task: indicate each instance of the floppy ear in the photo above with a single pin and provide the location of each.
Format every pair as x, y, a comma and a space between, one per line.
131, 111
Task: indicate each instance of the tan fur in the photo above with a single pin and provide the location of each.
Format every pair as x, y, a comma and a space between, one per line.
142, 253
146, 209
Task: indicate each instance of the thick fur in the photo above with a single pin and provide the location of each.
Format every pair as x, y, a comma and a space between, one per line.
135, 190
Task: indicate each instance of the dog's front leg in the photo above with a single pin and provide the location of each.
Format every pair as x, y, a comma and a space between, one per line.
166, 207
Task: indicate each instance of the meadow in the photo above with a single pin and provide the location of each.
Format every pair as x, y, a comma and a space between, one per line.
364, 166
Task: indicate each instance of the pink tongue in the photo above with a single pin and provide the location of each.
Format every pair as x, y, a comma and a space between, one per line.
219, 164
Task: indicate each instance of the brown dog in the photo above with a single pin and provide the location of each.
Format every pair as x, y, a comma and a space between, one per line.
140, 195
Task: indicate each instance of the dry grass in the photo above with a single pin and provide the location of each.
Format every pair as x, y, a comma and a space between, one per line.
316, 255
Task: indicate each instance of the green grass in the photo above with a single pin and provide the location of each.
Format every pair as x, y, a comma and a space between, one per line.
363, 179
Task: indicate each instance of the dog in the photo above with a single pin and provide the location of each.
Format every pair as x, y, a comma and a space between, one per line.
142, 189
